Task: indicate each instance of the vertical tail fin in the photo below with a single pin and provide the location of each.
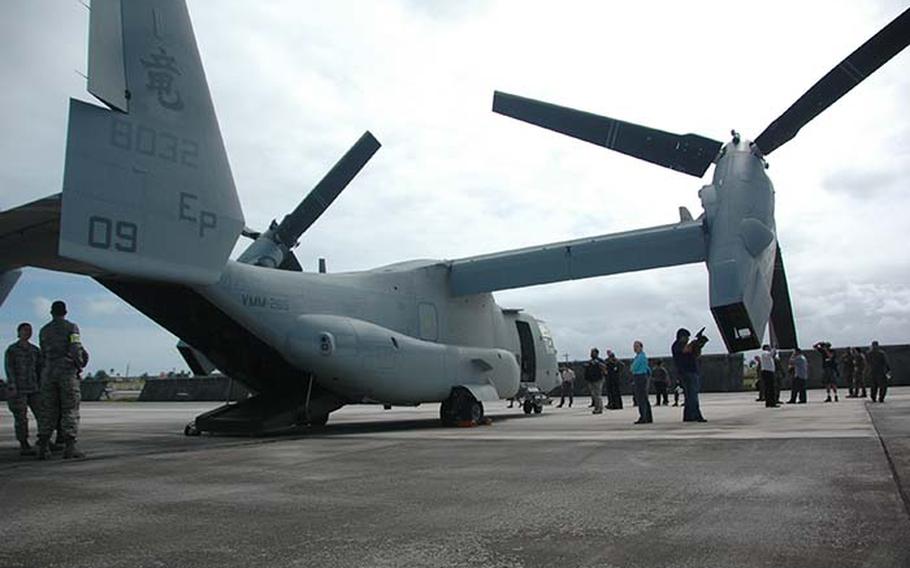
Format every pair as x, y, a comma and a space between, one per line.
147, 188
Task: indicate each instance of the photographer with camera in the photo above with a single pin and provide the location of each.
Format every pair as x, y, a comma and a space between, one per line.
685, 357
829, 368
594, 376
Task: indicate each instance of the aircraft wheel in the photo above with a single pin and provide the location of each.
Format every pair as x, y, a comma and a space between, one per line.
538, 409
319, 421
191, 430
527, 407
472, 410
447, 412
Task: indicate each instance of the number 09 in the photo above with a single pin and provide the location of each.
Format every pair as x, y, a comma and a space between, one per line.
104, 233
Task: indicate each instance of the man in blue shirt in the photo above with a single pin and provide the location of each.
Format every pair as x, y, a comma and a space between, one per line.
641, 375
685, 355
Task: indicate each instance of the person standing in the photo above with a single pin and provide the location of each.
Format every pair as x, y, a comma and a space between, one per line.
64, 357
859, 371
594, 376
848, 364
568, 385
768, 368
799, 367
759, 383
678, 390
641, 376
22, 362
879, 369
613, 367
829, 369
685, 357
661, 382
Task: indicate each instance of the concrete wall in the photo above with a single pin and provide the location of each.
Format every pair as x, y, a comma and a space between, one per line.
720, 373
210, 388
92, 390
898, 355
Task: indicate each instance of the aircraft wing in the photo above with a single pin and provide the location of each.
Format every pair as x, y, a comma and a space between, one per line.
654, 247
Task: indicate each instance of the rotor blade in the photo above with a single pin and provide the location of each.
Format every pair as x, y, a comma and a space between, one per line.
783, 327
687, 153
328, 188
849, 73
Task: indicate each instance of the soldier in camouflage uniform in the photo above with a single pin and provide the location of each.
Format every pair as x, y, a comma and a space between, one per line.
23, 371
63, 359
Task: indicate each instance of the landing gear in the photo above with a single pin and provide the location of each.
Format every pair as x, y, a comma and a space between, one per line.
460, 407
532, 399
191, 430
318, 421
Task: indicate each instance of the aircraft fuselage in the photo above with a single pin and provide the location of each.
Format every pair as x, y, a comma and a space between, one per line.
393, 335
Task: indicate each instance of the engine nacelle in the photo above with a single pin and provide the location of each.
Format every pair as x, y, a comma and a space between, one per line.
739, 211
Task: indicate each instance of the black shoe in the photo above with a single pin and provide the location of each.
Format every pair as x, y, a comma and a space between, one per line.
640, 421
43, 453
25, 449
701, 420
71, 451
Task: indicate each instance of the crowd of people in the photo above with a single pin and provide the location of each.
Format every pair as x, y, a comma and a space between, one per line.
45, 379
606, 375
853, 367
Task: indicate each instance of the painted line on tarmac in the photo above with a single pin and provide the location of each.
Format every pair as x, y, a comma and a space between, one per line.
894, 474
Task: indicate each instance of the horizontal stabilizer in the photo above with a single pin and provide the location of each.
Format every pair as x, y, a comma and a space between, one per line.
667, 245
29, 235
8, 281
687, 153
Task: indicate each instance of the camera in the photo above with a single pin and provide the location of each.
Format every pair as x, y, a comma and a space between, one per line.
700, 338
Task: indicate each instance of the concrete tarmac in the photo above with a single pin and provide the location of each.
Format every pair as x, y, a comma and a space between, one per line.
802, 485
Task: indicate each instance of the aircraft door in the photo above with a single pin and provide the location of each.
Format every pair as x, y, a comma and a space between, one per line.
528, 356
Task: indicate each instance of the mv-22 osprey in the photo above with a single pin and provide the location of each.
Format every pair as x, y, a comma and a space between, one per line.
149, 210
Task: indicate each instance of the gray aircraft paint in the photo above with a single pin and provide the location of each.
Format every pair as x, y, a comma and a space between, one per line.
148, 193
149, 207
475, 342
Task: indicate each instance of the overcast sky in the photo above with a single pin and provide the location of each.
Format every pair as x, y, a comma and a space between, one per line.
295, 84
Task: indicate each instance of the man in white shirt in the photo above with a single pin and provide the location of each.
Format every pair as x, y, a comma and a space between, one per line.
568, 385
768, 367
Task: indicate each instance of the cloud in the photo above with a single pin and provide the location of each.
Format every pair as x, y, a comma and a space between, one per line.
104, 306
295, 84
41, 306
